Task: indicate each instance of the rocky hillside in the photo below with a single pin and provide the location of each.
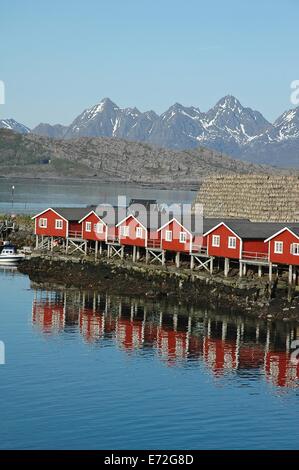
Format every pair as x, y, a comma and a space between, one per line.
113, 160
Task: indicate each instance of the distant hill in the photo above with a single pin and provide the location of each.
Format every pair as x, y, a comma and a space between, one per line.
111, 159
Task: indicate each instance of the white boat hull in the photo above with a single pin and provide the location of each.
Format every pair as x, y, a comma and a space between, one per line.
10, 260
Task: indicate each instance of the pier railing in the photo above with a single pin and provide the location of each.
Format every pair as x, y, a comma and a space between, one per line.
75, 234
154, 244
199, 250
254, 256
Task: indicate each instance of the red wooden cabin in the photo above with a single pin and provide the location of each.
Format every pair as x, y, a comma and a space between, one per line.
60, 222
175, 237
283, 246
223, 242
132, 232
93, 227
51, 223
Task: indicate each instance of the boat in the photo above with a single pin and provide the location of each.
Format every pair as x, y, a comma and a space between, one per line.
9, 255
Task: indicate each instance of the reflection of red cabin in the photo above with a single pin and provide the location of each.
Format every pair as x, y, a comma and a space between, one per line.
91, 324
280, 370
223, 242
129, 333
283, 246
132, 232
251, 356
93, 227
220, 355
48, 316
171, 344
175, 237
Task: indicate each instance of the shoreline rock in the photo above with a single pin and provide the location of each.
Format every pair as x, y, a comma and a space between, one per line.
252, 297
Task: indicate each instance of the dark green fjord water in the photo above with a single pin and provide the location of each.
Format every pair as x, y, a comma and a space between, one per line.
86, 371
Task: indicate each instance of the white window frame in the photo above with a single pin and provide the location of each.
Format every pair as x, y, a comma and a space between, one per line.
99, 227
278, 247
216, 241
124, 230
139, 232
88, 226
168, 235
58, 224
293, 245
183, 237
232, 243
43, 223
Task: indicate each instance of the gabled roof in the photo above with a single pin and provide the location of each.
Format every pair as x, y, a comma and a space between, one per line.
174, 219
89, 213
68, 213
126, 218
293, 230
219, 225
245, 229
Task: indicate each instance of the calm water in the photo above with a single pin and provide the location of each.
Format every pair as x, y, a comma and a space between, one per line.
89, 371
30, 196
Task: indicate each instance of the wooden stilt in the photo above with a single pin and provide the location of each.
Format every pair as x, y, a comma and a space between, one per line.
240, 269
226, 267
191, 262
290, 274
177, 259
270, 272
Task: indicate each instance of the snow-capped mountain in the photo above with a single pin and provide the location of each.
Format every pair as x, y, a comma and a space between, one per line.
228, 127
13, 125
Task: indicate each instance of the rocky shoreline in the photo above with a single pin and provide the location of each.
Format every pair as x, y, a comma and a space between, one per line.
253, 297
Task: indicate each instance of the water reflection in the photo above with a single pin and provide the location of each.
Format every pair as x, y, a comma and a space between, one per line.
224, 344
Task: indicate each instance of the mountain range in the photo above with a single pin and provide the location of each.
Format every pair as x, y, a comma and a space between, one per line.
228, 128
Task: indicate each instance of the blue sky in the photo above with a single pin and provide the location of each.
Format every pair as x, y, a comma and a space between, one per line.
60, 57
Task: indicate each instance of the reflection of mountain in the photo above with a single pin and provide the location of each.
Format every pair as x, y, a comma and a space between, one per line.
223, 344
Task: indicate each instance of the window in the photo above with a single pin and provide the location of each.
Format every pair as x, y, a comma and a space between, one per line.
42, 223
295, 249
124, 230
59, 224
278, 247
168, 235
88, 226
232, 242
183, 237
99, 227
139, 232
216, 240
